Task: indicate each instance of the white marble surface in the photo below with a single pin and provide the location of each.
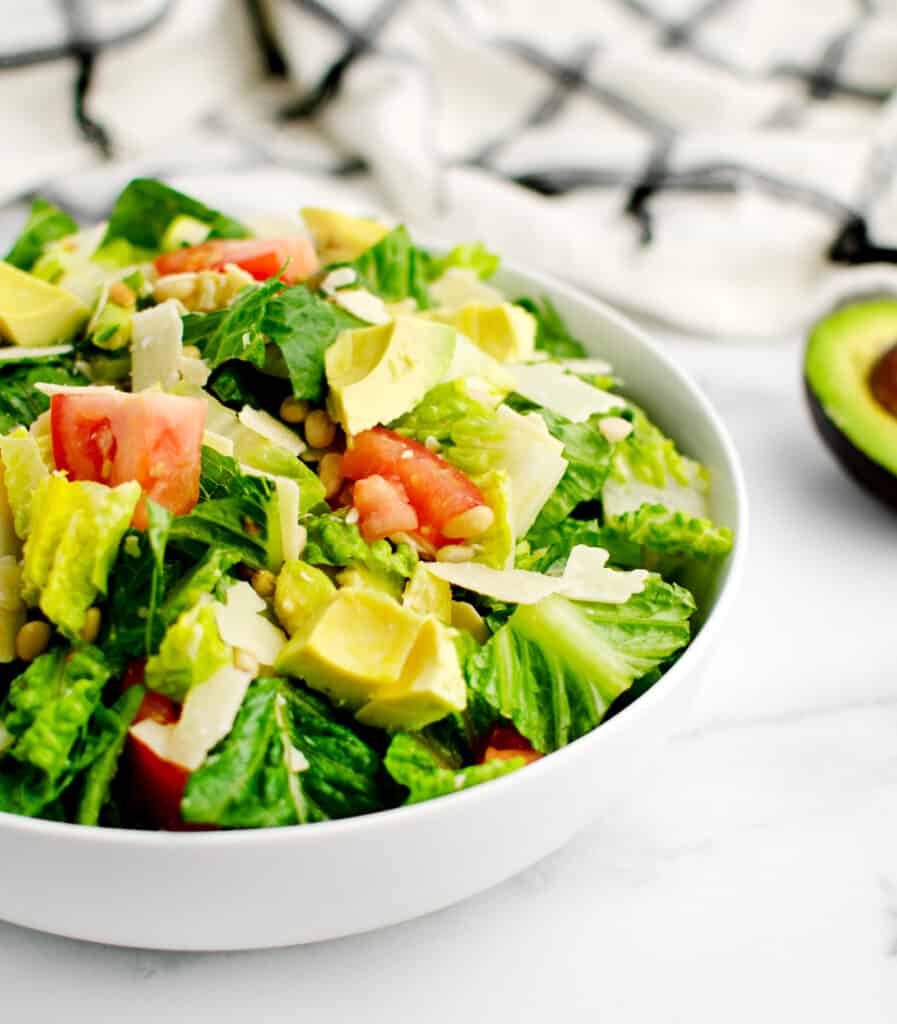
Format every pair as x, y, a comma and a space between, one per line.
754, 879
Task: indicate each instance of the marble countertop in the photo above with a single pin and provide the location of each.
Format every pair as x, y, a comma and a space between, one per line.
755, 878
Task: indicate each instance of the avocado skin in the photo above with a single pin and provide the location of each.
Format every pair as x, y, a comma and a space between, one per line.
868, 473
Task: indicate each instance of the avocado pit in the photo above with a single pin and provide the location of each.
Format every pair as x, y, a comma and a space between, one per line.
883, 380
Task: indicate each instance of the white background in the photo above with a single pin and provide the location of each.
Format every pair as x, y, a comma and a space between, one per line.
754, 878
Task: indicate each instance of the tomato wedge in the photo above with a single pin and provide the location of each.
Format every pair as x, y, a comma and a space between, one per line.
437, 490
113, 437
505, 742
260, 257
383, 508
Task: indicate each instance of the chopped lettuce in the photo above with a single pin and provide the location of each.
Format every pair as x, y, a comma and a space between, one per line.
20, 401
469, 256
286, 761
393, 268
555, 666
552, 335
428, 768
46, 223
190, 653
655, 538
145, 209
333, 541
76, 530
23, 471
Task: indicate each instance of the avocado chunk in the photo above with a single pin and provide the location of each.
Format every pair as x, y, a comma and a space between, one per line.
34, 313
367, 579
506, 332
184, 231
339, 237
850, 375
431, 687
378, 373
356, 646
427, 594
302, 591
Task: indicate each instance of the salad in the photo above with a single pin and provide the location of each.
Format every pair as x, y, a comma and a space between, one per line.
306, 527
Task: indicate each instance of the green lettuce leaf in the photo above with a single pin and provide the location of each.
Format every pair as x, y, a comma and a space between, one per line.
469, 256
302, 326
333, 541
191, 652
23, 471
555, 666
286, 761
552, 335
428, 768
654, 538
113, 723
394, 268
145, 208
20, 401
46, 223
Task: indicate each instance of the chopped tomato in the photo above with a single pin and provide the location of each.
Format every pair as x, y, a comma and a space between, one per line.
437, 490
260, 257
383, 508
113, 437
505, 742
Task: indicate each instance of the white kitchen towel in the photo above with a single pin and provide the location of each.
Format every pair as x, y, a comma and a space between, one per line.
724, 165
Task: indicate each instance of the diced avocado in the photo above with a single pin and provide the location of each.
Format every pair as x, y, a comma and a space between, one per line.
191, 652
507, 332
357, 646
431, 686
378, 373
112, 328
184, 231
850, 371
367, 579
34, 313
302, 592
426, 594
339, 237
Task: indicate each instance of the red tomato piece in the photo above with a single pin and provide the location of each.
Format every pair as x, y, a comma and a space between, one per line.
437, 490
260, 257
155, 786
383, 508
113, 437
505, 742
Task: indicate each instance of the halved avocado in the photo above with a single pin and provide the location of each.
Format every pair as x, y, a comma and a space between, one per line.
850, 374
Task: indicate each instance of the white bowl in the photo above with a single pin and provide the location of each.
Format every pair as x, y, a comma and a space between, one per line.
245, 890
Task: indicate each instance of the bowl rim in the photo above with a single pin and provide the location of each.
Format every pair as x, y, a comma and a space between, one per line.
395, 817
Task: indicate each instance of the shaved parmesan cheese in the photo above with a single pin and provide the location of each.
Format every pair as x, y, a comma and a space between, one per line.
361, 303
14, 354
534, 462
460, 286
586, 578
517, 586
195, 372
549, 385
218, 442
339, 278
271, 429
207, 716
71, 389
156, 347
242, 625
599, 367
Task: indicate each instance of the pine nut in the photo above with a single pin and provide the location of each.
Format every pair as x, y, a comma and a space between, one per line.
293, 410
331, 474
92, 622
615, 428
121, 294
466, 617
246, 661
320, 430
32, 639
191, 352
472, 523
264, 582
454, 553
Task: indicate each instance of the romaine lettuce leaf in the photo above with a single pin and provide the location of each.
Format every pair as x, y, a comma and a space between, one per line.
428, 768
20, 401
333, 541
555, 666
552, 335
45, 223
286, 761
469, 256
393, 268
145, 208
190, 653
23, 471
652, 537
